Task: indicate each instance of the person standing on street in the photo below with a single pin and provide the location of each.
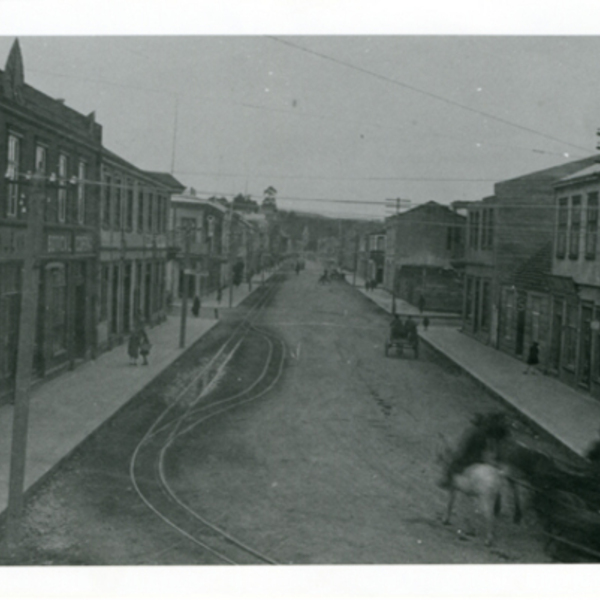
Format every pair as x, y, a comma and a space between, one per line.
533, 359
196, 306
133, 347
421, 303
145, 345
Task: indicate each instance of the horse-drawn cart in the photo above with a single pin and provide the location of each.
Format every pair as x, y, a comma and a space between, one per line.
399, 343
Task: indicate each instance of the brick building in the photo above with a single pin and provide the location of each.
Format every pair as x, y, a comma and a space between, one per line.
41, 135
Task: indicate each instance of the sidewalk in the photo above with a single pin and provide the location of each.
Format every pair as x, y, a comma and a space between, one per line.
384, 299
571, 417
66, 410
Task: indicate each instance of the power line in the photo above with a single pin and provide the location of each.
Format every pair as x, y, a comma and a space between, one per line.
295, 113
425, 92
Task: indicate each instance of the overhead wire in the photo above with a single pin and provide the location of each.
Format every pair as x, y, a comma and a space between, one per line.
415, 89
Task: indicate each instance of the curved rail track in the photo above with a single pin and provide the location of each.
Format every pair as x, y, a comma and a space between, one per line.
192, 408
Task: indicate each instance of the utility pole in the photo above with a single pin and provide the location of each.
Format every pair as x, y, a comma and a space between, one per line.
184, 300
231, 255
355, 258
27, 328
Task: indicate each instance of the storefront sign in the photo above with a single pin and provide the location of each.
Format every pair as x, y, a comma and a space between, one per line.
59, 243
83, 243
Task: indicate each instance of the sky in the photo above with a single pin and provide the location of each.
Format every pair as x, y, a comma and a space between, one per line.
338, 124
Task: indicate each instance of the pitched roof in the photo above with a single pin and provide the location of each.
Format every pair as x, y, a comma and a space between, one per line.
167, 180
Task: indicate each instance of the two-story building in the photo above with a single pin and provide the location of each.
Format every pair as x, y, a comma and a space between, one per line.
424, 250
202, 221
41, 135
507, 233
371, 255
133, 247
574, 332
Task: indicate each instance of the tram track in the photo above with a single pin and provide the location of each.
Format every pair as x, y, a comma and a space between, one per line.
194, 406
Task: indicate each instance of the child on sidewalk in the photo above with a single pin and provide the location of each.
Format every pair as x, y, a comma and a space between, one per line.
533, 358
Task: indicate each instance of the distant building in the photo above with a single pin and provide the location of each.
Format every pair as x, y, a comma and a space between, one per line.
423, 253
371, 255
203, 220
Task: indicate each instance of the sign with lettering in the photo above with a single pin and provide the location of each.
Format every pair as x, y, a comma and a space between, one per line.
83, 243
59, 243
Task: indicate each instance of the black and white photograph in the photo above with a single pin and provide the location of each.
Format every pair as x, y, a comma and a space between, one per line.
296, 296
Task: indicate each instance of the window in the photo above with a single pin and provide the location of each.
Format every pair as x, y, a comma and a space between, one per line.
129, 207
575, 227
81, 193
150, 207
591, 232
40, 160
561, 235
12, 174
485, 304
106, 202
468, 298
118, 205
484, 228
474, 231
62, 188
104, 285
490, 231
140, 214
159, 214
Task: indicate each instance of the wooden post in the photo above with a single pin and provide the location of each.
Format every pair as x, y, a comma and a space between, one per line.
184, 297
231, 255
25, 350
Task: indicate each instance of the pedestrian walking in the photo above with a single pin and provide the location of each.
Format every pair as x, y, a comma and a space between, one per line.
425, 323
133, 347
145, 345
196, 306
421, 303
219, 294
533, 358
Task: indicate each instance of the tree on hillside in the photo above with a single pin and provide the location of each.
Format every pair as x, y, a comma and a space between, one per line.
270, 198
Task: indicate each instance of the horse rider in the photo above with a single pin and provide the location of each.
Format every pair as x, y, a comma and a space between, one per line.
480, 443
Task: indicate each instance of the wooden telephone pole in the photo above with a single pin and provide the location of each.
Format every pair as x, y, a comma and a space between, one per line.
186, 231
27, 328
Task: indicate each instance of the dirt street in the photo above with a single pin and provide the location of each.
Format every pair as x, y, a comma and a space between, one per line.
335, 465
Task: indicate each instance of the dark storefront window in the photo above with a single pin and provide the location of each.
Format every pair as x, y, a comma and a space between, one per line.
58, 309
509, 313
104, 285
585, 354
10, 306
468, 298
485, 305
571, 336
